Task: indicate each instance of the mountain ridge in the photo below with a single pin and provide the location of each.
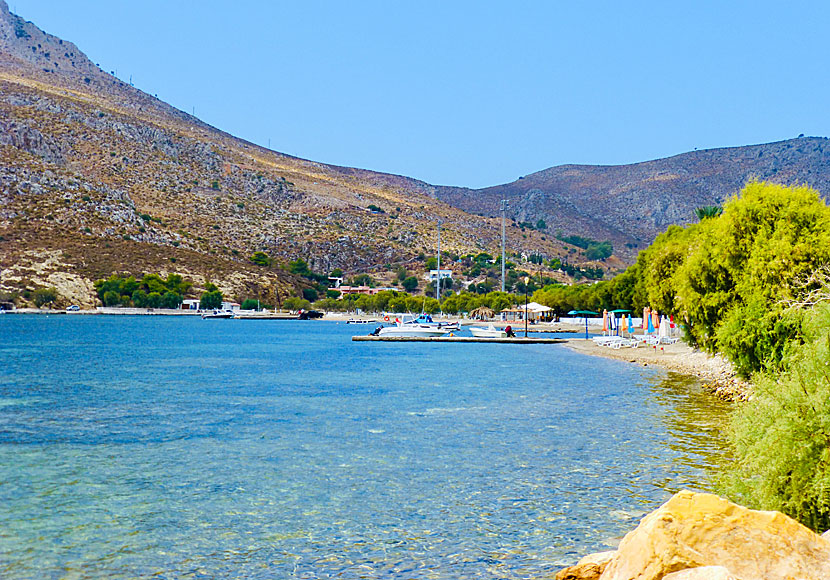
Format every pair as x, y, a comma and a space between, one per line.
98, 177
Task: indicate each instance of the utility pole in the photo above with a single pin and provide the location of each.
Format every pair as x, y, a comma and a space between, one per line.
438, 280
503, 210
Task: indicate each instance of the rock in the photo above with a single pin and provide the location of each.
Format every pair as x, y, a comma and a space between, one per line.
598, 558
692, 530
702, 573
826, 535
589, 567
588, 571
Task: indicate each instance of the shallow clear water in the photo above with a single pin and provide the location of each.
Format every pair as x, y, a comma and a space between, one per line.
137, 447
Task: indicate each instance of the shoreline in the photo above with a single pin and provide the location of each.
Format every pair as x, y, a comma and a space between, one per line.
715, 373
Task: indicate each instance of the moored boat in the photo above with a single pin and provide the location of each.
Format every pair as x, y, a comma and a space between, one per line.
217, 314
489, 332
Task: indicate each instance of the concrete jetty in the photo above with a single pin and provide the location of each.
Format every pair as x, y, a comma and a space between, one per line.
517, 340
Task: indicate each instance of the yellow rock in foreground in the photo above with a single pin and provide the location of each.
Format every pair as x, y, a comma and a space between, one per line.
693, 530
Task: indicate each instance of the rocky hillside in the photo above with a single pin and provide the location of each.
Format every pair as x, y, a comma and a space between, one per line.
631, 204
98, 177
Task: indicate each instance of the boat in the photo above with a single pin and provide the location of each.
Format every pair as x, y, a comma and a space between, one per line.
217, 314
423, 325
489, 332
401, 329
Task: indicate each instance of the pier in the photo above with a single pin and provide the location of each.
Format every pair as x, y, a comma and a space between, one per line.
516, 340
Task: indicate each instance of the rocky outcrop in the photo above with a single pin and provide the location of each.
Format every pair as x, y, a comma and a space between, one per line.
697, 536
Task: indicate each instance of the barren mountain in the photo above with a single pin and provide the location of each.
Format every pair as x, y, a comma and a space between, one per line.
97, 177
631, 204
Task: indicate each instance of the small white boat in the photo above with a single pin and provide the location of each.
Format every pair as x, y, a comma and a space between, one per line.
412, 330
218, 314
489, 332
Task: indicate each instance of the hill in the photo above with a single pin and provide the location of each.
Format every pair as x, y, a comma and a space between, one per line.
98, 177
631, 204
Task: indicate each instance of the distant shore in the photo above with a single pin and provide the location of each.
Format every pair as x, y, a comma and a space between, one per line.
716, 373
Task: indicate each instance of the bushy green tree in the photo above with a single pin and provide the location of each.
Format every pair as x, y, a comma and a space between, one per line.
211, 299
781, 437
410, 284
139, 298
111, 298
296, 303
249, 304
170, 300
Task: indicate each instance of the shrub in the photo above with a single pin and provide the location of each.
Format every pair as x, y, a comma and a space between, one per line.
410, 284
310, 294
249, 304
782, 436
296, 303
261, 259
44, 296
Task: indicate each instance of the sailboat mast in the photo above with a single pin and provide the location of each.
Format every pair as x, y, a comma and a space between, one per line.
503, 209
438, 279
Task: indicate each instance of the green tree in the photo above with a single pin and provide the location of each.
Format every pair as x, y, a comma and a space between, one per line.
296, 303
139, 298
171, 300
154, 300
210, 300
410, 284
111, 298
299, 267
249, 304
781, 437
310, 294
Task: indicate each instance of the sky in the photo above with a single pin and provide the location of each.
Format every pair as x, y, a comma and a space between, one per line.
468, 93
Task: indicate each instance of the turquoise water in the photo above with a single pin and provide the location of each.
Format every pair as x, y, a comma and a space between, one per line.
138, 447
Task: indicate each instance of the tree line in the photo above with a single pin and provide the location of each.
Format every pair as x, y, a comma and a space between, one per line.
751, 280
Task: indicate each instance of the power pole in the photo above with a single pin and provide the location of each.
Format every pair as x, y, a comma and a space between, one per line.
438, 280
503, 210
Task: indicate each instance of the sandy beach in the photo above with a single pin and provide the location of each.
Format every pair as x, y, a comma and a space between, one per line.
716, 373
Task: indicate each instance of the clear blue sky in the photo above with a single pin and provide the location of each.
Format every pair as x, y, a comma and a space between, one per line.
469, 93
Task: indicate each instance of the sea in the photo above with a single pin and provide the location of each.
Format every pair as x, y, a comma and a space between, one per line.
174, 447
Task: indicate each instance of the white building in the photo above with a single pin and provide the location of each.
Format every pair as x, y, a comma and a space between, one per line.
433, 275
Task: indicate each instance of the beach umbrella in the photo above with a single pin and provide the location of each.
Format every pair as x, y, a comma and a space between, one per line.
482, 313
584, 313
655, 319
617, 322
650, 323
604, 321
630, 325
646, 317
